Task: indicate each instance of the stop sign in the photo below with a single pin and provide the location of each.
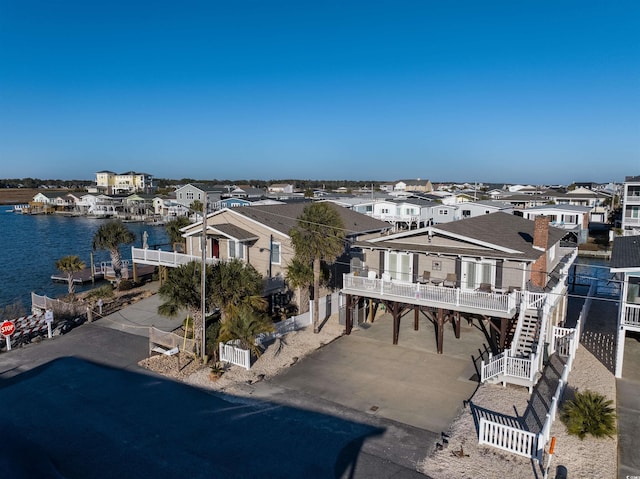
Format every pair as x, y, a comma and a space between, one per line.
7, 328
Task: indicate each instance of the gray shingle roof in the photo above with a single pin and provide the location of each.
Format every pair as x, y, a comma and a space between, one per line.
501, 229
625, 252
234, 232
285, 217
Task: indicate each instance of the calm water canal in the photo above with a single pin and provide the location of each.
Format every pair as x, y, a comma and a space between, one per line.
31, 245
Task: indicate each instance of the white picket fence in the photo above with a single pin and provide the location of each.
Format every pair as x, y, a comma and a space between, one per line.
230, 353
508, 438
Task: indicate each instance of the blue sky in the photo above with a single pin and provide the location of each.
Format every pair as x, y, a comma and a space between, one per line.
492, 91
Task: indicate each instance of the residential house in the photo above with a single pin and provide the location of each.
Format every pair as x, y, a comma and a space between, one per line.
625, 263
573, 219
505, 272
129, 182
246, 192
232, 203
49, 201
206, 195
278, 188
258, 235
418, 185
471, 209
400, 213
595, 200
631, 206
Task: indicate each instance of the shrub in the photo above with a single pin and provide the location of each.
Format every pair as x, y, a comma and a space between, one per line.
589, 413
126, 285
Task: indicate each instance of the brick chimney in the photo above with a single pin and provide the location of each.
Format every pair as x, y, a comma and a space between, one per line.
540, 242
541, 233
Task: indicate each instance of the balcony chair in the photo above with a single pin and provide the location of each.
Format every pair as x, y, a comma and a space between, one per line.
425, 278
451, 280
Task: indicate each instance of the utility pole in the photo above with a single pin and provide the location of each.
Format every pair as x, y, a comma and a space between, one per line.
203, 279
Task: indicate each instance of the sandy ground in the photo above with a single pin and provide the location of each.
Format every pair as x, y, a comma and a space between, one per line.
589, 458
279, 355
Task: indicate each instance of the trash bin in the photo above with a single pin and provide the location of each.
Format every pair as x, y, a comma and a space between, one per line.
561, 472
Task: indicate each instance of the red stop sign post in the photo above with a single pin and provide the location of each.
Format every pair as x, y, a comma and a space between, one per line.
7, 328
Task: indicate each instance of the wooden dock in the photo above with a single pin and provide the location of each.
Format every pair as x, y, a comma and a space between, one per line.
80, 277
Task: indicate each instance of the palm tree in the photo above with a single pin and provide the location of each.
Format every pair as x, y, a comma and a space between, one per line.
236, 283
589, 413
244, 325
183, 290
300, 276
69, 265
110, 236
173, 228
319, 236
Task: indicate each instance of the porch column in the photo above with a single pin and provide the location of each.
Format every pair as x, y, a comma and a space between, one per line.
416, 315
503, 332
348, 320
396, 322
620, 350
440, 330
456, 324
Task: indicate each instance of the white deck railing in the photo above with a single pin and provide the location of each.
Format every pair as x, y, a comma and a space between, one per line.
505, 366
432, 295
631, 315
230, 353
165, 258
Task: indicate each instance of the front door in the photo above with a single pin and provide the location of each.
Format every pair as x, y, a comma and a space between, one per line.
476, 271
399, 266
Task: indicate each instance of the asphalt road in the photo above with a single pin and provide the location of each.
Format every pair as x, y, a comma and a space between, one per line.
78, 406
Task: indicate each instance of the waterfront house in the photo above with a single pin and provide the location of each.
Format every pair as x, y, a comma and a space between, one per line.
572, 218
258, 235
631, 206
111, 183
505, 272
625, 264
206, 195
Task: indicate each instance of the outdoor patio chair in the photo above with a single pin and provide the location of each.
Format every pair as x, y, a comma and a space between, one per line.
485, 288
451, 280
425, 278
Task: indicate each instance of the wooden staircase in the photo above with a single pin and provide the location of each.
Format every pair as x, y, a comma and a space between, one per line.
527, 340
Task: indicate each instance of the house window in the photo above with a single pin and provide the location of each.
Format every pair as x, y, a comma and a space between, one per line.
466, 213
275, 253
385, 211
443, 212
236, 249
368, 209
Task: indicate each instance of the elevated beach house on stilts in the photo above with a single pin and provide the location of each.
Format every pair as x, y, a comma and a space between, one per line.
625, 263
504, 272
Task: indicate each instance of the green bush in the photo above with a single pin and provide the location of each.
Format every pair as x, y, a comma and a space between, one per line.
589, 413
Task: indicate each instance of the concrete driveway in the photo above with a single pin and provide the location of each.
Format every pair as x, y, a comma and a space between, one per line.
408, 383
